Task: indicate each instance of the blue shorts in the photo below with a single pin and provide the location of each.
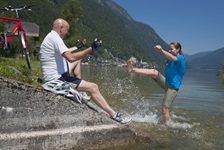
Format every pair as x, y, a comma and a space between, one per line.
66, 77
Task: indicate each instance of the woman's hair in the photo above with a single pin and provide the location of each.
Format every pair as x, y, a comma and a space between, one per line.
177, 45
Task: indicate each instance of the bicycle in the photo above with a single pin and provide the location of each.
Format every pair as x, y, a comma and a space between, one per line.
6, 37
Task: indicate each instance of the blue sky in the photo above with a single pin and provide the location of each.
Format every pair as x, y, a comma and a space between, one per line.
197, 24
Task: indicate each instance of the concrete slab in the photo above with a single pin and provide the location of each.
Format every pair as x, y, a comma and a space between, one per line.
31, 118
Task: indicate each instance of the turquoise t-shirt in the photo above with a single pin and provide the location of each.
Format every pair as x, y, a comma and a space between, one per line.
175, 71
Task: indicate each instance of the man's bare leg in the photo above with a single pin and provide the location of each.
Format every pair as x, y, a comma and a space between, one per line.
75, 68
144, 72
97, 97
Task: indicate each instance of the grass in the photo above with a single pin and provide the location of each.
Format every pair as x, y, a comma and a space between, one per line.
17, 69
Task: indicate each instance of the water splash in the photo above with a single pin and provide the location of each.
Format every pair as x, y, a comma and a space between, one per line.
141, 106
150, 118
179, 125
154, 118
178, 117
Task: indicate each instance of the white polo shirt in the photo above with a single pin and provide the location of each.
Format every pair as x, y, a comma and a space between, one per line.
53, 65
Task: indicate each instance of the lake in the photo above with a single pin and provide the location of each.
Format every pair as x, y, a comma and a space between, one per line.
197, 112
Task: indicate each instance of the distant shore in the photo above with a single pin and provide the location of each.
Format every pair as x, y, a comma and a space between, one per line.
118, 62
220, 73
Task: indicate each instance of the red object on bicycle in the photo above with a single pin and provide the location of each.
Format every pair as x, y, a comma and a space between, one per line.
6, 38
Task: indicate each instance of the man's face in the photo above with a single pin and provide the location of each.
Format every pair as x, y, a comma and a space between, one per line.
64, 30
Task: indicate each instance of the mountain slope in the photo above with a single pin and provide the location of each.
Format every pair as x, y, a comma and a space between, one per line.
125, 36
121, 35
196, 56
207, 60
142, 33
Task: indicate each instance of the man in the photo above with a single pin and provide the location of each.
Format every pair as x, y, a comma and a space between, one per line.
54, 56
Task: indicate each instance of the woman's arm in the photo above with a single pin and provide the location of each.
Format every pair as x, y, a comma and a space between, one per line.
165, 53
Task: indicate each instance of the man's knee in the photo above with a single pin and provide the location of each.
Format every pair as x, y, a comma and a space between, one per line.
73, 65
79, 61
94, 87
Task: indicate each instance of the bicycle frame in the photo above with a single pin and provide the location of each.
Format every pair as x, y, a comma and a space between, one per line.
17, 28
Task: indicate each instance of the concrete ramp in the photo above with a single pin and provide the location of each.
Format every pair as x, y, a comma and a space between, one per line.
31, 118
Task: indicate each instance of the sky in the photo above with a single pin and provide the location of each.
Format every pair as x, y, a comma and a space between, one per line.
198, 25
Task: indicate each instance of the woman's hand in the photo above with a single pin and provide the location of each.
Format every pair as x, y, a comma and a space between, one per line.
158, 48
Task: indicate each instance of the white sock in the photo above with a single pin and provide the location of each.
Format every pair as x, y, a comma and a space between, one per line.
115, 115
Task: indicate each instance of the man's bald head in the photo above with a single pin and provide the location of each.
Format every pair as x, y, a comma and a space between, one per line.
61, 26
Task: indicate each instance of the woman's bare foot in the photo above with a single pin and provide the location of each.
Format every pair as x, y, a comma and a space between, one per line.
130, 67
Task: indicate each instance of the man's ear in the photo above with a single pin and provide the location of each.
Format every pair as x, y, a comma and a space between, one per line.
61, 29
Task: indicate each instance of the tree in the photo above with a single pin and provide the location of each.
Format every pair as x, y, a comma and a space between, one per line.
70, 12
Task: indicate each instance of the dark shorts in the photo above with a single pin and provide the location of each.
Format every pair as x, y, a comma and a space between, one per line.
74, 80
170, 93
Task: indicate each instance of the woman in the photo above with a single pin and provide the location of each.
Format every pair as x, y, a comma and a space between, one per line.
174, 72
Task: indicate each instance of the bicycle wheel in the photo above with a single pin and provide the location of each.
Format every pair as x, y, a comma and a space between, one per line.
25, 49
4, 45
2, 41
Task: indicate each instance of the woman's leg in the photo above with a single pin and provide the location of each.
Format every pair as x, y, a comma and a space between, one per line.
166, 114
150, 72
169, 97
160, 79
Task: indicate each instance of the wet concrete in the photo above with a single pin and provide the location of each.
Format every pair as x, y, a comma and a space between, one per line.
31, 118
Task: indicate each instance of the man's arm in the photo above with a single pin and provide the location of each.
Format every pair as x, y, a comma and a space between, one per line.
71, 49
79, 44
71, 57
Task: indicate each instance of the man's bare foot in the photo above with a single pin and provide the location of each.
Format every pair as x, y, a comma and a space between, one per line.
130, 67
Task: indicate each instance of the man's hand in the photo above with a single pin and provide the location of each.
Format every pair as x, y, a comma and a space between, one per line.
96, 44
79, 44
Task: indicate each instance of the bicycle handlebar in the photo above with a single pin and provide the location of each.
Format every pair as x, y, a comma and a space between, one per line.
10, 8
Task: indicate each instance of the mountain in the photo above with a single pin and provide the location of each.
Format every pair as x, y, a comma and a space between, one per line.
122, 36
125, 36
207, 60
197, 55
